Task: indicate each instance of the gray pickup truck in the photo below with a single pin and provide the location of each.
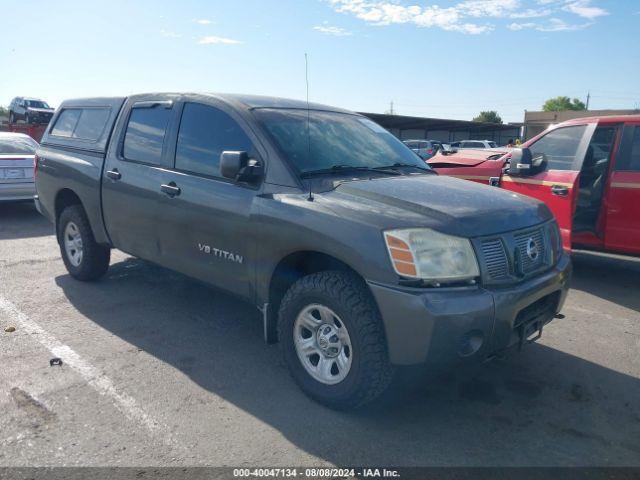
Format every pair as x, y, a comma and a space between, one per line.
359, 257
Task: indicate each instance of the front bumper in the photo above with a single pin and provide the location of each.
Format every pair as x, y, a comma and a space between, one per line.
17, 191
446, 325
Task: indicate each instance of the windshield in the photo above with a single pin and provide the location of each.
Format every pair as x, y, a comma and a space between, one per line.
334, 139
18, 145
36, 104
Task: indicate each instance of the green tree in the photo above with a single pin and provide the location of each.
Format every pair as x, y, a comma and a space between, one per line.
561, 103
4, 112
490, 116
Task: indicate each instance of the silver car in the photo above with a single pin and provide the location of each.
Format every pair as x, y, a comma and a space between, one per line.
474, 144
424, 148
17, 157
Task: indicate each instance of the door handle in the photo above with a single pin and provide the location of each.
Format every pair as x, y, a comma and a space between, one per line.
114, 174
170, 189
560, 190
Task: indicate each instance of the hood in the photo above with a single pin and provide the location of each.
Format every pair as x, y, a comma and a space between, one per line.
449, 205
467, 157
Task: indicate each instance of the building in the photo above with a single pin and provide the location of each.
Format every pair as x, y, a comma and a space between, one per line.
443, 130
537, 122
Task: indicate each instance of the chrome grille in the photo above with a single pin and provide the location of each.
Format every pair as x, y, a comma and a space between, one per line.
528, 264
495, 259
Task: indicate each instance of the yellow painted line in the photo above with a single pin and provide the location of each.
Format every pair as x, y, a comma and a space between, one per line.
625, 185
532, 181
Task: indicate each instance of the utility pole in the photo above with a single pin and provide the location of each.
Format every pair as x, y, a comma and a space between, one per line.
588, 98
391, 109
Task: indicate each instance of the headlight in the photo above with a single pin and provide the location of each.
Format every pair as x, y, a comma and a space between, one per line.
425, 254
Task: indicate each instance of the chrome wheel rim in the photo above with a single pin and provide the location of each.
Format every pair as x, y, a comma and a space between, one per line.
73, 244
322, 343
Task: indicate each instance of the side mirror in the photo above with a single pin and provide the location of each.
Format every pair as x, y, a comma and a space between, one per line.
521, 162
238, 166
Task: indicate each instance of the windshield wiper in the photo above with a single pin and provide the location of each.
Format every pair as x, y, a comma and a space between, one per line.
347, 168
395, 165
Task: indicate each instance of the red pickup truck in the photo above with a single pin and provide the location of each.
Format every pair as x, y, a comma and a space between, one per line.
586, 170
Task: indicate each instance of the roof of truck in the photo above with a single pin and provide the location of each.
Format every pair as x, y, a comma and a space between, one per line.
603, 119
239, 100
262, 101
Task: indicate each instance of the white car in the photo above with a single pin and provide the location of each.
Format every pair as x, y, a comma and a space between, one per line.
474, 144
17, 157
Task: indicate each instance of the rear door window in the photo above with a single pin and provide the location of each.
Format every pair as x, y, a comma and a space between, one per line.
144, 138
560, 147
205, 132
91, 123
81, 123
66, 122
628, 158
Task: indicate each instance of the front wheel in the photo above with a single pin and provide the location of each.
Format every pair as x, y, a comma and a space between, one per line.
333, 339
84, 258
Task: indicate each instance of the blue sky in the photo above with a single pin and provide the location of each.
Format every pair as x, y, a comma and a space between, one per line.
440, 58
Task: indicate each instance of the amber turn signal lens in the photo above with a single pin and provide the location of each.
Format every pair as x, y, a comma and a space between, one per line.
401, 256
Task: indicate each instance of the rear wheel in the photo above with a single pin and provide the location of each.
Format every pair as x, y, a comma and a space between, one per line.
333, 339
84, 258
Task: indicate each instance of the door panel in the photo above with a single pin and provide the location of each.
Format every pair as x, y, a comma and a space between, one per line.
134, 169
563, 150
204, 231
623, 213
622, 231
557, 188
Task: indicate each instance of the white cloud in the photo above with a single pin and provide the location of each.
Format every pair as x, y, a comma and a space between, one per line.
211, 40
471, 16
584, 9
331, 30
167, 34
202, 21
553, 25
487, 8
379, 12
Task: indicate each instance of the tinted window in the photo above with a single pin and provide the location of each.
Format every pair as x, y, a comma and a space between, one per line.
17, 144
145, 134
206, 132
91, 123
36, 104
318, 140
66, 122
81, 123
493, 145
559, 147
629, 157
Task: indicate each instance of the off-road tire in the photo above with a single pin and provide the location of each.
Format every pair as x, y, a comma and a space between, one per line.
348, 296
95, 257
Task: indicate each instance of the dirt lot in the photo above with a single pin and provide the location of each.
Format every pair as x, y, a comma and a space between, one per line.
161, 370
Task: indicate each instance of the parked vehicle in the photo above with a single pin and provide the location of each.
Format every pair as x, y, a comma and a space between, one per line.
359, 257
424, 148
586, 170
474, 144
30, 110
17, 153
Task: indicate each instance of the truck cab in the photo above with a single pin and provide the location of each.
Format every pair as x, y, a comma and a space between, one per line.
586, 170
